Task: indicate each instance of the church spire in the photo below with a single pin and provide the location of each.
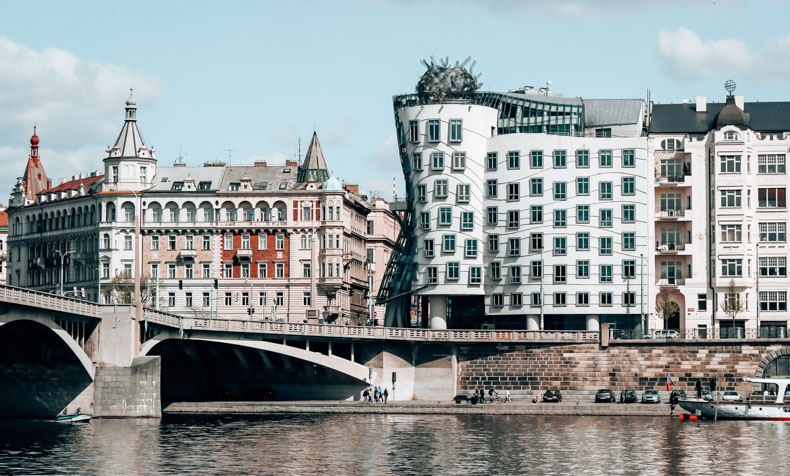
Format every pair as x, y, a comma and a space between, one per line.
313, 169
35, 179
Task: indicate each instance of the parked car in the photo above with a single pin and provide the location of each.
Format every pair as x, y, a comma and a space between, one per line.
651, 396
604, 395
731, 396
663, 334
552, 396
630, 396
676, 393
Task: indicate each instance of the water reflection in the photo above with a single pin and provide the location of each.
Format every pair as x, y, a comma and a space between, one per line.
388, 444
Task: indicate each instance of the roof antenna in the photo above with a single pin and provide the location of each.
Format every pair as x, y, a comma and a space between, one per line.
180, 158
230, 152
299, 148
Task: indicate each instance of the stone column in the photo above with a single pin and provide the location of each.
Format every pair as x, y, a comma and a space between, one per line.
593, 322
438, 312
533, 322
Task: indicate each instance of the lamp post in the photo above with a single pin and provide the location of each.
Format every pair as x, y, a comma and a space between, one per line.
62, 261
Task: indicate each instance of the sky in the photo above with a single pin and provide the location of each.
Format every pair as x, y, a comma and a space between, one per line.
259, 77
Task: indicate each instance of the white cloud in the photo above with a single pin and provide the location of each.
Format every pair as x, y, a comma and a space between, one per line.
77, 105
684, 55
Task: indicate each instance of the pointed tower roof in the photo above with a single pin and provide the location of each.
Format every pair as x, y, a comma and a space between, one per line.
130, 141
313, 169
332, 185
35, 178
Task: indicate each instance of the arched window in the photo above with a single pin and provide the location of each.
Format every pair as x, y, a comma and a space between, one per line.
779, 367
105, 241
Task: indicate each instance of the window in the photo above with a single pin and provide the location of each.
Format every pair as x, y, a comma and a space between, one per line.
582, 241
445, 216
262, 270
459, 160
536, 214
234, 186
467, 220
437, 161
189, 271
582, 185
305, 239
730, 135
428, 248
536, 299
105, 270
440, 189
516, 300
605, 158
491, 161
702, 302
493, 243
773, 300
171, 270
456, 130
603, 132
629, 213
629, 299
206, 299
154, 270
306, 299
606, 299
206, 243
462, 193
536, 241
433, 130
188, 299
448, 244
560, 218
629, 269
559, 190
629, 158
496, 270
154, 243
205, 272
245, 299
730, 198
771, 164
515, 274
171, 242
498, 300
432, 275
605, 191
416, 161
771, 198
228, 299
425, 220
582, 299
422, 193
671, 144
453, 271
559, 299
115, 174
513, 160
470, 248
560, 159
629, 241
606, 273
513, 218
414, 131
279, 270
262, 298
536, 159
513, 191
773, 232
582, 158
514, 247
605, 245
491, 188
730, 164
127, 242
475, 275
606, 218
536, 270
629, 185
245, 242
731, 233
731, 267
307, 270
536, 187
491, 216
583, 269
171, 299
773, 266
227, 270
559, 273
582, 214
228, 242
279, 242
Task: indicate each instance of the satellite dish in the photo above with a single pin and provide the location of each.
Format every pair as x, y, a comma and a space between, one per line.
730, 86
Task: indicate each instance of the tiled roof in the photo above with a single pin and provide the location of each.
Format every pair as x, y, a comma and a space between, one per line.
684, 118
3, 218
74, 184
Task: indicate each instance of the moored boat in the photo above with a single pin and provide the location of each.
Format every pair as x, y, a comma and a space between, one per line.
769, 405
75, 418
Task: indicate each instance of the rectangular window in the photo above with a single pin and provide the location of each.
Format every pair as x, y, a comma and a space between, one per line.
771, 164
559, 299
171, 299
773, 232
730, 199
605, 158
245, 299
445, 216
773, 266
188, 299
514, 247
629, 158
629, 213
448, 244
245, 242
462, 193
730, 164
263, 270
582, 185
456, 130
629, 299
307, 299
771, 197
440, 189
559, 273
560, 159
605, 245
515, 274
536, 159
307, 269
731, 268
536, 300
171, 242
432, 275
496, 270
582, 299
279, 270
603, 132
513, 191
731, 233
605, 191
154, 270
491, 188
582, 241
536, 187
422, 193
433, 130
492, 214
536, 241
470, 248
513, 218
516, 300
459, 160
536, 214
425, 220
629, 241
228, 242
498, 300
205, 243
475, 275
428, 247
154, 242
582, 269
559, 191
171, 270
536, 268
606, 218
437, 161
127, 242
773, 300
467, 220
629, 185
491, 161
453, 271
582, 214
414, 131
262, 298
227, 270
279, 298
493, 243
560, 245
206, 299
416, 161
629, 269
189, 271
606, 273
279, 243
702, 302
513, 160
582, 158
560, 218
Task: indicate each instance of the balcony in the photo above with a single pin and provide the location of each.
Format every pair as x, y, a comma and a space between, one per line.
672, 215
670, 248
333, 309
187, 254
670, 282
244, 253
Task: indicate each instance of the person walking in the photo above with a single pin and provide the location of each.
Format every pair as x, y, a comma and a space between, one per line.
673, 399
698, 387
507, 396
386, 394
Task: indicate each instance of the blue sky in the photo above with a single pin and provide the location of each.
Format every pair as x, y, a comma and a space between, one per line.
258, 76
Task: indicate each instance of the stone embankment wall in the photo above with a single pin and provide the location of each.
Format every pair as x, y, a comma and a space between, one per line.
585, 368
129, 391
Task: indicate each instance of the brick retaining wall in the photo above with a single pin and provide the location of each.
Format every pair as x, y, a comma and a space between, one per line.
587, 367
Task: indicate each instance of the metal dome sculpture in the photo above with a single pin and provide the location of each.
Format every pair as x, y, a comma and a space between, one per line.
445, 82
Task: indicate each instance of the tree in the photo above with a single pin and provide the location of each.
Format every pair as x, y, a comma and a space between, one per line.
122, 287
665, 307
732, 302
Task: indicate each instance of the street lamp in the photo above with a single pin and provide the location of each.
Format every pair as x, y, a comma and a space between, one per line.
62, 261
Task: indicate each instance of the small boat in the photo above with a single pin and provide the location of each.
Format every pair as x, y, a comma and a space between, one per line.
76, 417
773, 405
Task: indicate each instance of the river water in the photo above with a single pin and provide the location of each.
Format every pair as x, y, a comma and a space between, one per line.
395, 444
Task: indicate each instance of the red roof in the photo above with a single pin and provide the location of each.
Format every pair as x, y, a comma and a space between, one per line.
74, 184
3, 218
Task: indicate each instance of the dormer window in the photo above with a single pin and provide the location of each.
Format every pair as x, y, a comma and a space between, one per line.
730, 135
178, 185
234, 187
283, 185
671, 144
204, 186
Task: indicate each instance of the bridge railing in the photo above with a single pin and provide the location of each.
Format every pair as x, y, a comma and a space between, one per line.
28, 297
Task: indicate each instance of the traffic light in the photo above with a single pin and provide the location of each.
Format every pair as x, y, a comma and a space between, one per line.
216, 284
251, 311
180, 284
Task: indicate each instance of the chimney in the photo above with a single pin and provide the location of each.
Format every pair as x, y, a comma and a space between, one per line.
291, 163
739, 102
702, 104
352, 188
260, 163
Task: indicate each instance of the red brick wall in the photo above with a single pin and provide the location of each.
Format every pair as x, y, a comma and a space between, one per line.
269, 255
586, 367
